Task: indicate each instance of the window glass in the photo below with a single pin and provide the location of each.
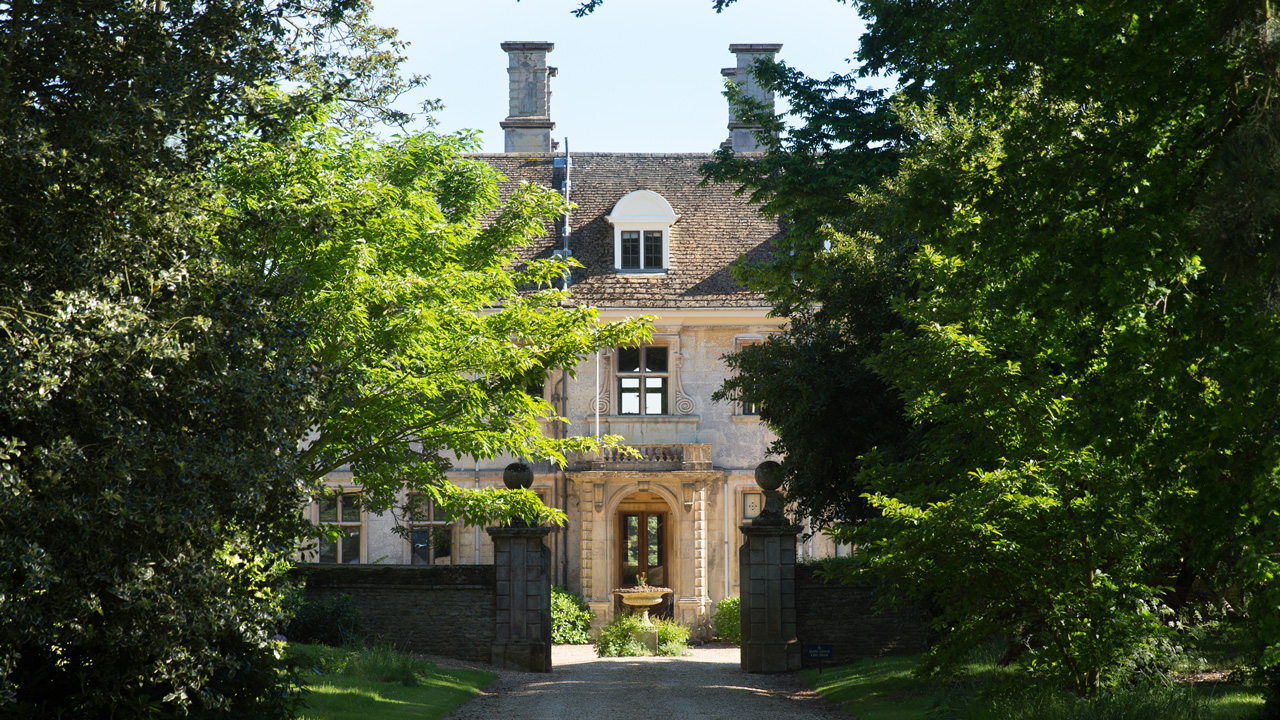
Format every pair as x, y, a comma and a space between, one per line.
744, 407
329, 509
350, 509
432, 545
328, 551
644, 554
351, 545
630, 395
653, 248
655, 359
629, 360
631, 549
631, 249
655, 396
430, 532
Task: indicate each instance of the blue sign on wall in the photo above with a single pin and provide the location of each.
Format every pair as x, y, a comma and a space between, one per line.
818, 651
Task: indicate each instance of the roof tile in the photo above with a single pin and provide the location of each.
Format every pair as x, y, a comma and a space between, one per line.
715, 228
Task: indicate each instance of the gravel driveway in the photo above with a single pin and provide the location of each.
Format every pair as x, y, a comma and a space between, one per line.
704, 684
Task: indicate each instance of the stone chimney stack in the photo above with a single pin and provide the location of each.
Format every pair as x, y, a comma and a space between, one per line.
528, 126
742, 136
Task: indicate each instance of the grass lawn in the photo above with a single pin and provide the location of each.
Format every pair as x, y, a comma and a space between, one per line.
379, 683
876, 689
885, 689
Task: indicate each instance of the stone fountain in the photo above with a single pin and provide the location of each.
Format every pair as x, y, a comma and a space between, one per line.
642, 597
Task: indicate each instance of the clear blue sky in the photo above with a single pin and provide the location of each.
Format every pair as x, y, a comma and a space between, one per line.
635, 76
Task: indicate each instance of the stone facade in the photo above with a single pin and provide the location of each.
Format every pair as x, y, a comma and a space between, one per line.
692, 481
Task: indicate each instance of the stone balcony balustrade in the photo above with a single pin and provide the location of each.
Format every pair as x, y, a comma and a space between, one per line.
649, 458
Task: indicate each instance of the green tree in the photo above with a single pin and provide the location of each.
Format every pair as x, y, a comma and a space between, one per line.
429, 325
165, 349
150, 399
1078, 218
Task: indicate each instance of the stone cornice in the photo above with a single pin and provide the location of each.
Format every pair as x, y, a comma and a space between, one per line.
604, 476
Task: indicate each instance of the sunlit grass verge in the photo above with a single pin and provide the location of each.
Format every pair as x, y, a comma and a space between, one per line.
360, 683
885, 689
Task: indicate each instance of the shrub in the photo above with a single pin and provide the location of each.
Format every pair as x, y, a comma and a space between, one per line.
673, 638
621, 637
331, 620
727, 620
570, 618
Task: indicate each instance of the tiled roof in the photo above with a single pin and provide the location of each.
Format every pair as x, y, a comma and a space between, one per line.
714, 229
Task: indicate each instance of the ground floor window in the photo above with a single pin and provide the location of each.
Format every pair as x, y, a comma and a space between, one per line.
342, 512
430, 532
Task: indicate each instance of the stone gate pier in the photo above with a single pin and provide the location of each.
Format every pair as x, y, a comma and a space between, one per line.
767, 566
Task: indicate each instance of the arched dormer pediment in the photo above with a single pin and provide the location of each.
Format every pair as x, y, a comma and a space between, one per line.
642, 223
643, 206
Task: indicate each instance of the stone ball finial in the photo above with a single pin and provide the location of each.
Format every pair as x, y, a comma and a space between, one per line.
517, 476
769, 475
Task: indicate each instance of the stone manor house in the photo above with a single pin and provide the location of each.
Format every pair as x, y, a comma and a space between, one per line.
652, 241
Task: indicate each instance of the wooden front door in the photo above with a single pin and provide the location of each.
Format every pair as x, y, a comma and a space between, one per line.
644, 548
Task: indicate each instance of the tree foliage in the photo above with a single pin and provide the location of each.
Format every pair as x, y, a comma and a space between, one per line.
428, 325
1076, 321
194, 276
151, 396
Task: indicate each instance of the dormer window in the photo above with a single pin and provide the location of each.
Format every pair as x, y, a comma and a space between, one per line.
642, 232
642, 249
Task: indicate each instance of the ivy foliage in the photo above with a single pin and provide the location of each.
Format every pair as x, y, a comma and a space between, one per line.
1034, 319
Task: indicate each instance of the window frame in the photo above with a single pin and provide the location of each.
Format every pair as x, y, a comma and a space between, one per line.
643, 255
643, 375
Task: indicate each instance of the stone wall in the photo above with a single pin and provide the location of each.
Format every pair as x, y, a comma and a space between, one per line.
441, 610
844, 616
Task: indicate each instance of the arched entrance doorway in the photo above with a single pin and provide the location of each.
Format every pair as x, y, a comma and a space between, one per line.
644, 546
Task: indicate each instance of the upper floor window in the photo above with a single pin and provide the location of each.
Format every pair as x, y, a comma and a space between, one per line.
642, 223
747, 408
643, 380
642, 249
